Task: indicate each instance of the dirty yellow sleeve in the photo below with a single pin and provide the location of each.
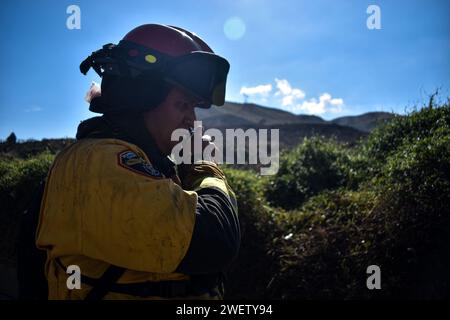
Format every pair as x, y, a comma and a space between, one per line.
104, 200
206, 174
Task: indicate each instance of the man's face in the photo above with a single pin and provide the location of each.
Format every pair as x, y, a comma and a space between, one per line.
177, 111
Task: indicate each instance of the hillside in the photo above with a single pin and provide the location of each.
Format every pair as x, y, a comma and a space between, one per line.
365, 122
236, 114
290, 135
233, 115
31, 148
293, 128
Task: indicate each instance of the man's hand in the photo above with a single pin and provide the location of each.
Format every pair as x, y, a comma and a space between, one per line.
186, 171
198, 143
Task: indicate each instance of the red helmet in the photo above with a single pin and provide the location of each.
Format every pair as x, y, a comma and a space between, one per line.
174, 55
173, 41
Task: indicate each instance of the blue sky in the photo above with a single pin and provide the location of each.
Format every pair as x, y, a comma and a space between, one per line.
310, 57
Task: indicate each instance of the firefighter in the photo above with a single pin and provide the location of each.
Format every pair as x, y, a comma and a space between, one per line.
115, 206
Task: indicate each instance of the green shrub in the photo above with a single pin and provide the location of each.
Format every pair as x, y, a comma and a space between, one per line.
398, 219
321, 254
387, 139
313, 166
248, 187
254, 267
19, 180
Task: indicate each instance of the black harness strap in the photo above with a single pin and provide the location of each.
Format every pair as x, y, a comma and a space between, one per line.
102, 285
105, 282
165, 289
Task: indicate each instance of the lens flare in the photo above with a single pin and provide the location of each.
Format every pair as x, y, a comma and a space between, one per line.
234, 28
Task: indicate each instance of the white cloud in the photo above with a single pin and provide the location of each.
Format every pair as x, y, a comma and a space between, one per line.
336, 102
287, 101
325, 104
292, 98
33, 109
297, 93
283, 87
289, 94
262, 89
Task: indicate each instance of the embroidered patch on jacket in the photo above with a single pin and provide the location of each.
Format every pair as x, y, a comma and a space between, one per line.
131, 161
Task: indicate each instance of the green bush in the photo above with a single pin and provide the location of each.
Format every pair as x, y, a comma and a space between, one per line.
321, 254
387, 139
254, 267
313, 166
19, 180
398, 219
414, 215
248, 187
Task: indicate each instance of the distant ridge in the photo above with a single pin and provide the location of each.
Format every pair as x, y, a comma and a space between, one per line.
365, 122
235, 115
293, 128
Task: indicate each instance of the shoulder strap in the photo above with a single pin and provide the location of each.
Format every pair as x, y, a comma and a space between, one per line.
104, 283
168, 289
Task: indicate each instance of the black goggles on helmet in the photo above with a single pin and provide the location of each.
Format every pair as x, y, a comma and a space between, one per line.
202, 74
199, 73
